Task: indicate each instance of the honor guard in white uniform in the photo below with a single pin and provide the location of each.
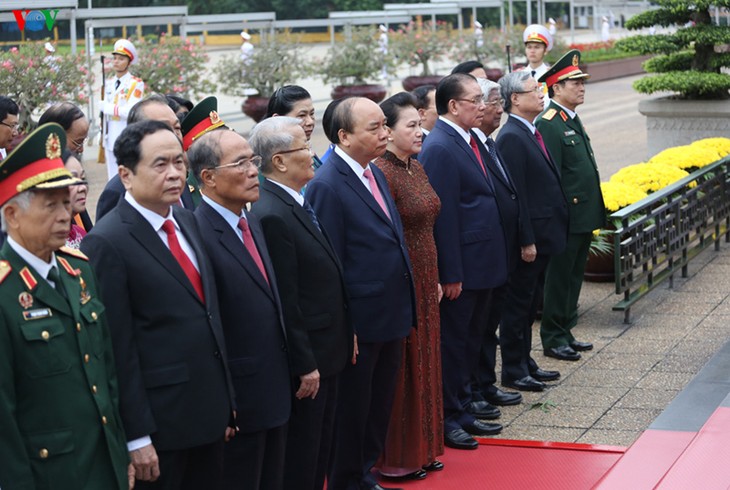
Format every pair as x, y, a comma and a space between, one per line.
122, 91
538, 41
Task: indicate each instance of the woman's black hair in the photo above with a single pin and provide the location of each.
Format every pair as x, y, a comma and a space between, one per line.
283, 99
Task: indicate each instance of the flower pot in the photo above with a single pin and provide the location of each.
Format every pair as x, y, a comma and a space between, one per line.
376, 93
255, 107
494, 74
410, 83
599, 267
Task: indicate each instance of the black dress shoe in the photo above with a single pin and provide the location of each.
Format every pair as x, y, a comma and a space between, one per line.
478, 428
545, 375
378, 487
503, 398
483, 410
564, 353
416, 475
528, 383
460, 439
436, 465
581, 346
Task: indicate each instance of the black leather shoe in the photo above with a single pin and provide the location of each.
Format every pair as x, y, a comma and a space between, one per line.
564, 353
378, 487
478, 428
528, 383
545, 375
581, 346
416, 475
483, 410
460, 439
436, 465
503, 398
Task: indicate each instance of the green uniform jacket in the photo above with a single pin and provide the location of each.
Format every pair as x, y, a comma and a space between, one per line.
570, 147
59, 418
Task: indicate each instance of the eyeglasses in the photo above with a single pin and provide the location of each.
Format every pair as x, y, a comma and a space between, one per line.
243, 164
477, 101
79, 144
537, 90
308, 148
495, 103
13, 127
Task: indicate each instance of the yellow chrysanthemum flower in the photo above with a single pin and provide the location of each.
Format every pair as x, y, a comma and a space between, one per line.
648, 177
618, 195
688, 157
721, 145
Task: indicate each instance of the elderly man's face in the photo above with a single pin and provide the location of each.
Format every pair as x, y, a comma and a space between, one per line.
369, 137
157, 183
233, 186
492, 113
297, 159
570, 93
468, 110
43, 227
529, 101
429, 116
8, 130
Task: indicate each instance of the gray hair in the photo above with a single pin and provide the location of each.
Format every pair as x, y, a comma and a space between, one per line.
271, 136
22, 200
512, 83
205, 154
487, 87
137, 110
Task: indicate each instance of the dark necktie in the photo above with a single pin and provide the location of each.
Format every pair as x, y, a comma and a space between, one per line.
541, 142
117, 83
310, 211
56, 279
477, 153
185, 263
492, 150
251, 247
533, 73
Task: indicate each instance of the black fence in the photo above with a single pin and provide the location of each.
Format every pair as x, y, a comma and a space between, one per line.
658, 236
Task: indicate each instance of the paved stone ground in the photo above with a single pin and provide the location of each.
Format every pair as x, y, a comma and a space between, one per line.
617, 390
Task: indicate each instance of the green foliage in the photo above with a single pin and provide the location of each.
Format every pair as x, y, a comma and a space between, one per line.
493, 48
670, 62
276, 62
659, 43
703, 34
172, 66
355, 60
691, 84
420, 45
35, 82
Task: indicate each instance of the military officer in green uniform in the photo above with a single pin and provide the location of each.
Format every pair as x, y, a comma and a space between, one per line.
570, 147
59, 419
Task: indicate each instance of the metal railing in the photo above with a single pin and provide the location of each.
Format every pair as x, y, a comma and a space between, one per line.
658, 236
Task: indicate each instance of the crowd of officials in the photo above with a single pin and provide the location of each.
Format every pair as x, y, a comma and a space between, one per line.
246, 315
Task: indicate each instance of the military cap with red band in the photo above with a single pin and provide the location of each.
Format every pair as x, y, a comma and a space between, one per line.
36, 164
200, 120
566, 68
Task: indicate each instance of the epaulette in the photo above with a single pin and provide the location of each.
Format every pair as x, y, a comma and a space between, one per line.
549, 114
5, 269
67, 267
73, 253
136, 79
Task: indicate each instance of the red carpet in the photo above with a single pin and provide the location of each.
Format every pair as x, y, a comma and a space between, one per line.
501, 464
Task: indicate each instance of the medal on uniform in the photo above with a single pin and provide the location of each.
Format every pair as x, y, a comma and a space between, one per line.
85, 296
25, 300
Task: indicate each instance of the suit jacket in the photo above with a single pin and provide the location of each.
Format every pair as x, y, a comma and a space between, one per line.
544, 207
252, 323
311, 285
570, 149
52, 351
114, 192
370, 247
470, 239
168, 344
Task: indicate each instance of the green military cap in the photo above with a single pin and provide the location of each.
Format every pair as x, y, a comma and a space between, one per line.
201, 119
36, 164
566, 68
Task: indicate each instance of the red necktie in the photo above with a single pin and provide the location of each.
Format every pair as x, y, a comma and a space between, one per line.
540, 141
251, 247
376, 191
185, 263
475, 149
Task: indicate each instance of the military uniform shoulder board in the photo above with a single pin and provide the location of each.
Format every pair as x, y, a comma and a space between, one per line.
136, 79
549, 114
74, 253
564, 116
5, 269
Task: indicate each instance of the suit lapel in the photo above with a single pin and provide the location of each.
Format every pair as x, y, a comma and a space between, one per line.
518, 126
143, 232
362, 192
492, 165
465, 148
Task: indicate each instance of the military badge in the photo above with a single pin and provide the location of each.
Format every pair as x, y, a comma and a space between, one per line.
191, 187
53, 147
138, 93
25, 300
576, 60
85, 296
4, 269
549, 114
214, 117
36, 314
569, 133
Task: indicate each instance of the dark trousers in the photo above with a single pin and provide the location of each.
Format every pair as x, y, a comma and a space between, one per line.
189, 469
518, 315
365, 399
483, 377
310, 438
255, 460
463, 324
563, 281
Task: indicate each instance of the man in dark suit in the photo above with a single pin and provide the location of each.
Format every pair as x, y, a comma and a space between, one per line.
543, 227
313, 296
176, 397
352, 202
152, 108
472, 249
570, 148
227, 171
